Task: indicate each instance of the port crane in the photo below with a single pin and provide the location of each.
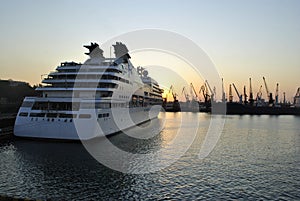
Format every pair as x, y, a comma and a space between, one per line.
205, 93
277, 94
211, 91
186, 95
251, 100
237, 93
259, 95
297, 98
172, 91
270, 96
298, 93
223, 92
245, 95
215, 92
230, 94
193, 90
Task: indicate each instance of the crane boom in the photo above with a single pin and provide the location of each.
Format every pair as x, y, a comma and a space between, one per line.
298, 92
297, 97
237, 93
267, 90
270, 96
204, 91
202, 88
215, 91
192, 86
230, 94
259, 93
187, 99
210, 90
171, 90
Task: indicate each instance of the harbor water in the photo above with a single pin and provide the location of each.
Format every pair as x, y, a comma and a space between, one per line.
256, 157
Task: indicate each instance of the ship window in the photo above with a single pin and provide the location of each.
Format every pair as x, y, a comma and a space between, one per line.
95, 105
37, 114
51, 114
87, 105
107, 85
27, 104
103, 115
23, 114
102, 105
67, 115
113, 70
84, 116
55, 106
106, 94
115, 105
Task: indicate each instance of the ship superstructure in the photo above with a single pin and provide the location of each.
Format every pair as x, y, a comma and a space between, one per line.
82, 101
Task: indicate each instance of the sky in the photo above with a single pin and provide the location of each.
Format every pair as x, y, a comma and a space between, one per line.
242, 38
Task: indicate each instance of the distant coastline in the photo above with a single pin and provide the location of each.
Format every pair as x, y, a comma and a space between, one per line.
12, 94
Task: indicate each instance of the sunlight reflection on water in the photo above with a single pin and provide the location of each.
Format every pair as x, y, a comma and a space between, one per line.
257, 157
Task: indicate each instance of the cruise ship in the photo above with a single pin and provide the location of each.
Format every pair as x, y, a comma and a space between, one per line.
99, 97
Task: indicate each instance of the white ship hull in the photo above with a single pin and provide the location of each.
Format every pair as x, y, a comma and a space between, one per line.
83, 128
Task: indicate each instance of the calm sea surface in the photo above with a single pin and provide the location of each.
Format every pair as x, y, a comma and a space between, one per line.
256, 157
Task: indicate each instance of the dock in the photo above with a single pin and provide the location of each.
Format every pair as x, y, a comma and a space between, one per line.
6, 133
6, 126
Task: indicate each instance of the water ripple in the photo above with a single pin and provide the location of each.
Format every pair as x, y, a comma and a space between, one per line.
251, 161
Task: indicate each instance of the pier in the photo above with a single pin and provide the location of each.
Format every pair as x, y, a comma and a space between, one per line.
6, 126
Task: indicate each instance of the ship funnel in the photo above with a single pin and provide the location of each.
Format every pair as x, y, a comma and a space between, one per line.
95, 54
121, 51
94, 51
